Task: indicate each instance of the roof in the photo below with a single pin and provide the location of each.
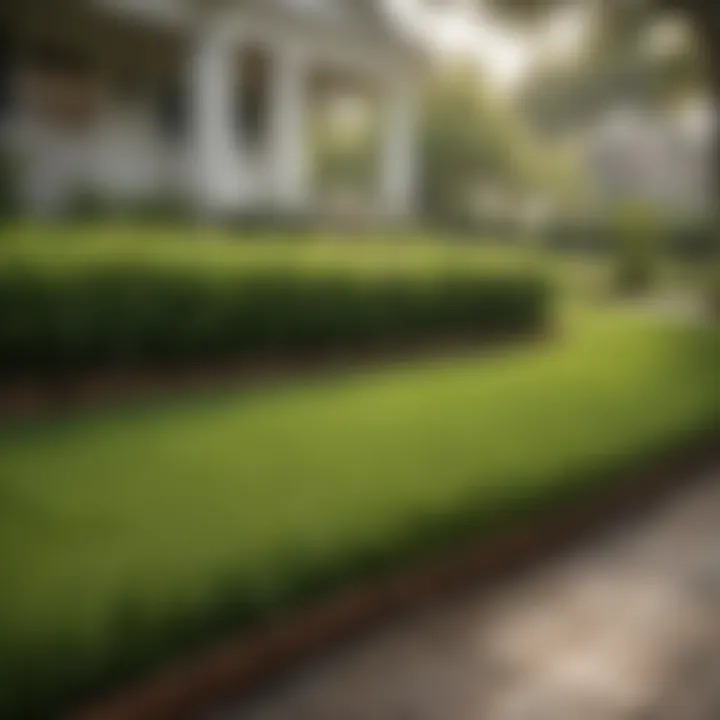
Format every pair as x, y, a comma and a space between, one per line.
368, 18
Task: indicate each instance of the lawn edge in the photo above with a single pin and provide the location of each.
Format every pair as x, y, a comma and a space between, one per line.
237, 666
72, 393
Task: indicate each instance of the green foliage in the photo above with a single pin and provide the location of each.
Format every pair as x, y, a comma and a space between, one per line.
685, 241
713, 290
637, 235
9, 201
127, 538
346, 150
562, 96
92, 207
694, 239
474, 144
113, 312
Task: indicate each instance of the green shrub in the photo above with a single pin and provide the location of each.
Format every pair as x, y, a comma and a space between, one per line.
91, 314
713, 291
694, 239
690, 239
9, 200
577, 236
637, 249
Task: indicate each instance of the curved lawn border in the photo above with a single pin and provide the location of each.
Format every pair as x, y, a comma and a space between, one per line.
241, 663
37, 397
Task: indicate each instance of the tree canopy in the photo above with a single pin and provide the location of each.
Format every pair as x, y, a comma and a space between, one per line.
474, 144
618, 23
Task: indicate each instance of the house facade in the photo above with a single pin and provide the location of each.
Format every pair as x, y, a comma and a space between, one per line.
203, 101
660, 159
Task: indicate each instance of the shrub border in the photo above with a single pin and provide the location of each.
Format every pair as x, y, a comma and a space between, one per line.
62, 321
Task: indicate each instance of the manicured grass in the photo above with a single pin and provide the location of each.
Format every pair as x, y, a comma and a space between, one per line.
124, 536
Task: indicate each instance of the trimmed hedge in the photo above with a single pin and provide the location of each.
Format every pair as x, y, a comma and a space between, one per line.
691, 240
82, 316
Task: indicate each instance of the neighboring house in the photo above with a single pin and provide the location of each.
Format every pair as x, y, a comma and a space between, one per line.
661, 159
204, 101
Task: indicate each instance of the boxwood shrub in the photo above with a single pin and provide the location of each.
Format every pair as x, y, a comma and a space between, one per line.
83, 316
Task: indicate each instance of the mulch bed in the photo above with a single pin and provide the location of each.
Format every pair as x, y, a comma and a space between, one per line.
238, 665
33, 395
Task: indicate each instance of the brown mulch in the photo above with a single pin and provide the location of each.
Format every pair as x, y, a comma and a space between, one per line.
32, 396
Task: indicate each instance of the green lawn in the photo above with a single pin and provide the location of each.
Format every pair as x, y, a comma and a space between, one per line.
158, 512
125, 535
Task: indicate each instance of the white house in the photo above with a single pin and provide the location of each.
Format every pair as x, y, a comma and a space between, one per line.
663, 159
205, 100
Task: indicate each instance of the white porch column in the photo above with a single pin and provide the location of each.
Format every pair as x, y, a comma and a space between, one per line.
398, 171
216, 151
288, 146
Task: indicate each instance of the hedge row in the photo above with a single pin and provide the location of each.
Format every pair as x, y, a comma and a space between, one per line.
87, 316
690, 240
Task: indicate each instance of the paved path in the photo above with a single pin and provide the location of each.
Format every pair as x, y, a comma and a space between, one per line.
625, 629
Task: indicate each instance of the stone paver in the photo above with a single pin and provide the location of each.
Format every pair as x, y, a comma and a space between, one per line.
625, 629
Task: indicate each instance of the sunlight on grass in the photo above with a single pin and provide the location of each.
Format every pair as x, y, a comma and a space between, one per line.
156, 503
122, 533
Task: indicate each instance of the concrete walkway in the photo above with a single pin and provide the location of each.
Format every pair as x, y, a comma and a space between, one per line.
625, 629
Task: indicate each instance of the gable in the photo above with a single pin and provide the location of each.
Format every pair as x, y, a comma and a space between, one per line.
348, 10
366, 18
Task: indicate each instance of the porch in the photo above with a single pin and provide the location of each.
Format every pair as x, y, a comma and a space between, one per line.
208, 105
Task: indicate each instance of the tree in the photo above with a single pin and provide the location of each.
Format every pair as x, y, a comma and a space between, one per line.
344, 139
572, 93
473, 145
618, 23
